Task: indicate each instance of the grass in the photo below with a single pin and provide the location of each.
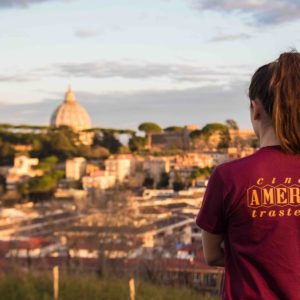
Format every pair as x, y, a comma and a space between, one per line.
29, 286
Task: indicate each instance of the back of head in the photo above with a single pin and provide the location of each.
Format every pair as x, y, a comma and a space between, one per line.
277, 86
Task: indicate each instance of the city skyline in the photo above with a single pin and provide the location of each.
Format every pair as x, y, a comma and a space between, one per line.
171, 62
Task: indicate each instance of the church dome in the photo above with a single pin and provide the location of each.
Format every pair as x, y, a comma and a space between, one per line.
70, 113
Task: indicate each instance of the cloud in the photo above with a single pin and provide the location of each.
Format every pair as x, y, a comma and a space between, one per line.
86, 33
146, 70
17, 78
230, 37
198, 105
132, 70
23, 75
23, 3
263, 11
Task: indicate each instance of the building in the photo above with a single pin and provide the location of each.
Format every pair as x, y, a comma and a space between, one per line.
23, 166
71, 113
155, 166
75, 168
178, 139
244, 134
100, 180
192, 159
219, 157
119, 166
180, 174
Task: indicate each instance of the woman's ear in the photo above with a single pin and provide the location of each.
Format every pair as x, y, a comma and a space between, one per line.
256, 109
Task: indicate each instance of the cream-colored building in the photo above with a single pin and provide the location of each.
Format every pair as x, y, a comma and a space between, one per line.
242, 133
155, 166
98, 180
23, 166
235, 153
75, 168
120, 166
193, 159
218, 157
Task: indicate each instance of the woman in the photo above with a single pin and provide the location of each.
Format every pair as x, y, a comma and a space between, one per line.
253, 204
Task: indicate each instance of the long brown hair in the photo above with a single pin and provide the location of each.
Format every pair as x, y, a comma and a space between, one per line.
277, 86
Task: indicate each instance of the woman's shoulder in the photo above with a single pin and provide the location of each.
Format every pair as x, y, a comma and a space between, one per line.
266, 159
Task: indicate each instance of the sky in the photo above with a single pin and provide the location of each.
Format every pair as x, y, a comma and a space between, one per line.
173, 62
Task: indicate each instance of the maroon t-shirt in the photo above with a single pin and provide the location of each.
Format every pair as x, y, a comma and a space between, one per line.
255, 203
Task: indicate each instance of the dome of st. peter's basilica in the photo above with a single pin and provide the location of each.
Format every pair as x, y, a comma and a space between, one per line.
71, 113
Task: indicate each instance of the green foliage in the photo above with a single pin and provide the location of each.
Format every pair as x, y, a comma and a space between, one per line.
75, 184
6, 153
98, 152
99, 130
48, 163
202, 173
173, 129
2, 184
232, 124
148, 182
21, 286
42, 184
164, 180
37, 146
211, 128
23, 189
5, 126
222, 129
196, 134
178, 183
137, 143
124, 150
254, 143
150, 127
41, 187
83, 150
62, 142
107, 140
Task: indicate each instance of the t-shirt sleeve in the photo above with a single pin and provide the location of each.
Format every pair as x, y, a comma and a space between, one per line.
211, 216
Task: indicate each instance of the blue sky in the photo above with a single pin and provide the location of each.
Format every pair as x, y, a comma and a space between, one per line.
174, 62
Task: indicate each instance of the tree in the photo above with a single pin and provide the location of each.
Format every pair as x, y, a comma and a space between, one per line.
99, 152
48, 163
41, 187
209, 129
232, 124
164, 180
61, 142
2, 184
178, 183
201, 173
149, 128
198, 139
173, 129
6, 152
136, 143
108, 140
254, 143
148, 182
37, 146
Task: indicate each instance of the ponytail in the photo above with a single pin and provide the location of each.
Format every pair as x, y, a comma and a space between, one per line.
277, 86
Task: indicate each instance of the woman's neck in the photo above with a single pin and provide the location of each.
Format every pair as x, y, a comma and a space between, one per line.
268, 137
